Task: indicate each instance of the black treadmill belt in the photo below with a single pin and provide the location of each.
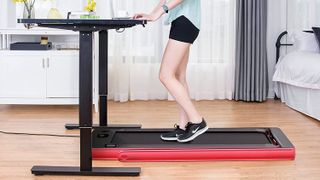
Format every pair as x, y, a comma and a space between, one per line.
216, 139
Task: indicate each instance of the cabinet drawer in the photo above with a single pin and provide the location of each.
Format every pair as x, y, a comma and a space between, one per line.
22, 77
62, 76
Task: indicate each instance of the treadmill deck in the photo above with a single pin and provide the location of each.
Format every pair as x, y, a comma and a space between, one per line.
215, 144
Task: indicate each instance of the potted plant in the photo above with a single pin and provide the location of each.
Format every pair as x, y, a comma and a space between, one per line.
28, 11
91, 7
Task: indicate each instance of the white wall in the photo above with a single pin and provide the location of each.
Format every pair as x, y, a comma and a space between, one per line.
302, 15
7, 14
276, 24
3, 14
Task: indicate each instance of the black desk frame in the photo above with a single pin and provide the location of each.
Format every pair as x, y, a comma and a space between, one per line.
86, 30
103, 88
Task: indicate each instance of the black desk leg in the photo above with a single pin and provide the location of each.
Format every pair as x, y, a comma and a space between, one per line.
85, 121
103, 87
103, 83
103, 77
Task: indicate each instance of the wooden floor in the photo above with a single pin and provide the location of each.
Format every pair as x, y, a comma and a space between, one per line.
19, 153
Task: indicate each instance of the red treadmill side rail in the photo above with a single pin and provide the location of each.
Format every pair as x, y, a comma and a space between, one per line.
138, 154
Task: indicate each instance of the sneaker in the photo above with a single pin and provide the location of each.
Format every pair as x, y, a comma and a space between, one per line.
193, 131
173, 135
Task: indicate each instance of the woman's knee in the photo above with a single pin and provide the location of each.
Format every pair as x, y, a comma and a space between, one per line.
165, 77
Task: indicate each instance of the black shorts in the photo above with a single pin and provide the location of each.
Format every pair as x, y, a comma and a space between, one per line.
182, 29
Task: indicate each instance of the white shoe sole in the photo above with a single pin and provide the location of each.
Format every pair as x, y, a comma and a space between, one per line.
169, 139
194, 136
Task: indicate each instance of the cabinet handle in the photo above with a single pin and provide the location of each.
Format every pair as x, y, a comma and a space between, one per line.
43, 65
48, 63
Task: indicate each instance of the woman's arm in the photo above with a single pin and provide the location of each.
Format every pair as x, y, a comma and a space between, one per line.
173, 3
158, 11
160, 4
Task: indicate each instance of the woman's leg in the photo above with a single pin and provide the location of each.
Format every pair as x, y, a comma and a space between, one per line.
181, 75
172, 58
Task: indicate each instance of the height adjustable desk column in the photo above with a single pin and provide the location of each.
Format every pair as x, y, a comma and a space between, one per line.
103, 87
86, 29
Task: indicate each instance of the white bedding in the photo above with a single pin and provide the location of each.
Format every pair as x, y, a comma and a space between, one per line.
298, 82
304, 100
300, 69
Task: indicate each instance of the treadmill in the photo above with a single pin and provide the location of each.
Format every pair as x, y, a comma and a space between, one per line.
216, 144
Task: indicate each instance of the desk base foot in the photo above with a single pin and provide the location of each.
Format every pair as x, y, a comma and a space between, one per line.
75, 171
113, 126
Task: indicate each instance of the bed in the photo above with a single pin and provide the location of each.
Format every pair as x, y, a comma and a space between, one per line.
297, 81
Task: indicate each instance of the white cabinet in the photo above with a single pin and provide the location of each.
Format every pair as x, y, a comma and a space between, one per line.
62, 76
35, 77
42, 77
22, 77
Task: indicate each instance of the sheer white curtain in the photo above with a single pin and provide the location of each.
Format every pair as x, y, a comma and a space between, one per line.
303, 14
136, 55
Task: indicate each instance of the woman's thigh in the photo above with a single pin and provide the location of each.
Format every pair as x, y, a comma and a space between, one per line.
181, 71
174, 55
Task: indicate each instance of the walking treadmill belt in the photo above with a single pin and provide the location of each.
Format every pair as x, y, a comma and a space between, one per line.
215, 144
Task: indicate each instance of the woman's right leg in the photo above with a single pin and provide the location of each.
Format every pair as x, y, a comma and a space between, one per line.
181, 75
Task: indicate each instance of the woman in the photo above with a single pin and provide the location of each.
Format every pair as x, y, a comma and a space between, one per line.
184, 16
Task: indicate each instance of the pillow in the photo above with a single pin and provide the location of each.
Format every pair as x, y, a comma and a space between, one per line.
305, 41
316, 31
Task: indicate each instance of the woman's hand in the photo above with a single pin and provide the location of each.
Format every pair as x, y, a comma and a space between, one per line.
143, 16
149, 17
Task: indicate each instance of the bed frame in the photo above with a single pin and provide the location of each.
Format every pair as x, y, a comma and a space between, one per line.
279, 44
278, 51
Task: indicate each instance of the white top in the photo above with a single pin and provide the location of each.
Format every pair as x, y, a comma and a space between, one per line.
191, 9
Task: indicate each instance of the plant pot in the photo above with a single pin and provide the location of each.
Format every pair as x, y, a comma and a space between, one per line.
28, 13
92, 15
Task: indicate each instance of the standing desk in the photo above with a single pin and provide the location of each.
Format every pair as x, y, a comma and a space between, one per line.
86, 28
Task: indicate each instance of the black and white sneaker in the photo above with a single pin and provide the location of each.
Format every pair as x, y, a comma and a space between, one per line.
173, 135
193, 131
